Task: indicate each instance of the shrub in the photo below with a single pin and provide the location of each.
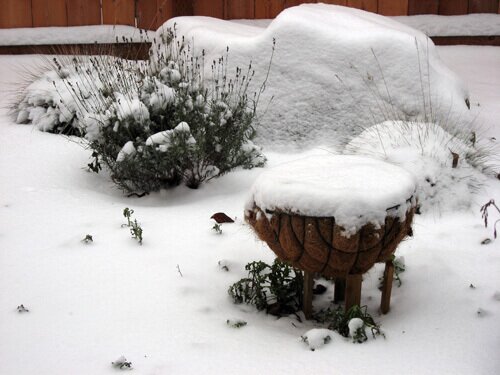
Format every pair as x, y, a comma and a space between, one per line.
152, 127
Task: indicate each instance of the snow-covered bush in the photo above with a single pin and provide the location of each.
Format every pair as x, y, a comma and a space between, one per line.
447, 166
152, 128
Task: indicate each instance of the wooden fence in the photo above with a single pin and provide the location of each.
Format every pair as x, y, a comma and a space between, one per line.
149, 14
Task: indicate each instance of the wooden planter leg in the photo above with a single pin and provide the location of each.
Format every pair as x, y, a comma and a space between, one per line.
308, 294
353, 291
339, 292
385, 303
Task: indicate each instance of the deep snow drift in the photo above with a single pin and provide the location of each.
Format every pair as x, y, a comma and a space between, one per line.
335, 71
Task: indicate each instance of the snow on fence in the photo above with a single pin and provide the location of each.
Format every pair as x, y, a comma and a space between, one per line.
149, 14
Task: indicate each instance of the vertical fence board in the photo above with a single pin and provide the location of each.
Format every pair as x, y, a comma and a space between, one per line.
145, 11
453, 7
238, 9
15, 13
118, 12
483, 6
49, 13
183, 8
423, 7
268, 8
292, 3
393, 7
83, 12
368, 5
164, 11
210, 8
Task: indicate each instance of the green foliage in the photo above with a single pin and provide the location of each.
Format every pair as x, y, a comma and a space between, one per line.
122, 364
236, 323
217, 228
135, 227
206, 125
338, 320
276, 288
484, 215
22, 309
399, 268
95, 166
88, 239
136, 231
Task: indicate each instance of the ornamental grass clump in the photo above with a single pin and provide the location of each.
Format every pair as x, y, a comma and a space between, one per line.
152, 125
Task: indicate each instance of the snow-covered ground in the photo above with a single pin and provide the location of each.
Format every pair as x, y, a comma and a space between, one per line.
164, 305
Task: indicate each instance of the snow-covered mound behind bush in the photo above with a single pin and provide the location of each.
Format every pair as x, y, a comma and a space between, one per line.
427, 151
335, 71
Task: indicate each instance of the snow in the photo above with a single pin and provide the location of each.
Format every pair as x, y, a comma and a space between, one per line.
355, 324
130, 107
73, 35
343, 69
127, 150
355, 190
317, 337
480, 24
89, 305
425, 150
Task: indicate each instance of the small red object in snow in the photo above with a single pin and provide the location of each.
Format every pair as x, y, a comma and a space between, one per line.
221, 217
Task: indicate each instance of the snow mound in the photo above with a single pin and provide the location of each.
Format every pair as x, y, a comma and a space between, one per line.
335, 71
354, 189
317, 337
425, 150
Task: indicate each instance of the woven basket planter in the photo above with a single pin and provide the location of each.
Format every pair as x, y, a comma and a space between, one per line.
317, 244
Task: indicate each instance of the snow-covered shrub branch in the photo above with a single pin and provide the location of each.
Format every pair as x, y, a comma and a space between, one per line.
153, 125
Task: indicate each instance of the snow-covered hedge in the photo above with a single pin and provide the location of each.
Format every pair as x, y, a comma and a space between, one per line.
336, 71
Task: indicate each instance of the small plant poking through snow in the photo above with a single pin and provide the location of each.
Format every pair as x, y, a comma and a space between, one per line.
276, 288
88, 239
352, 323
236, 323
122, 364
217, 228
135, 227
223, 265
136, 231
22, 309
399, 268
127, 213
484, 215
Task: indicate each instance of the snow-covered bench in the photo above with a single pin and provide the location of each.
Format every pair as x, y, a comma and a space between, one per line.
334, 215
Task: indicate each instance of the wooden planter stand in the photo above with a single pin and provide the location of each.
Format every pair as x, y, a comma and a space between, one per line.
321, 245
349, 290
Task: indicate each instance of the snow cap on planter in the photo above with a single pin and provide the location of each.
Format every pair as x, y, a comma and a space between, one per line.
335, 71
333, 214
